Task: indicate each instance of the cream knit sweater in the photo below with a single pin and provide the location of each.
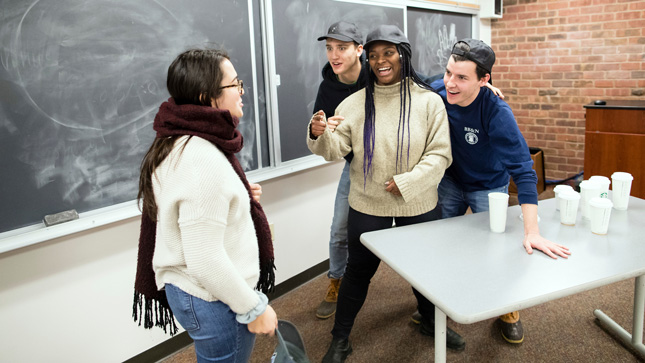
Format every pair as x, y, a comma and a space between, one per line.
206, 243
430, 152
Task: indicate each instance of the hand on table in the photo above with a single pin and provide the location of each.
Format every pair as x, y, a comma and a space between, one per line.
534, 240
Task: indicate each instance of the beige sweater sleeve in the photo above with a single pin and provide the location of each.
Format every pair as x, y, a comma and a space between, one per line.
330, 145
335, 145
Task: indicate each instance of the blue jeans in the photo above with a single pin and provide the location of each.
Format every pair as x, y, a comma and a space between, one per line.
338, 234
454, 201
218, 336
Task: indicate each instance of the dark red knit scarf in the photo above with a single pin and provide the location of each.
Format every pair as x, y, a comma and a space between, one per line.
220, 128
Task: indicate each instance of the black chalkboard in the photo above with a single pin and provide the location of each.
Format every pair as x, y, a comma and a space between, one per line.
80, 83
297, 24
432, 34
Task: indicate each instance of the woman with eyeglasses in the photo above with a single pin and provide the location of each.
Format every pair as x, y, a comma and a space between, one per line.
397, 128
205, 251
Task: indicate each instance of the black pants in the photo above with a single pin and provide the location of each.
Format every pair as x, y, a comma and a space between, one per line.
362, 265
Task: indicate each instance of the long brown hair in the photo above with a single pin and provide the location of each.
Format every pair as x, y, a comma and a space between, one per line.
194, 77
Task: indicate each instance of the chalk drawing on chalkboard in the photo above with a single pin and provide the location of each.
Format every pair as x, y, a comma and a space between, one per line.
80, 83
309, 21
300, 57
446, 39
66, 62
432, 34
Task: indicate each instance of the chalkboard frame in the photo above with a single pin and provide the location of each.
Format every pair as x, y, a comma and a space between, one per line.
269, 166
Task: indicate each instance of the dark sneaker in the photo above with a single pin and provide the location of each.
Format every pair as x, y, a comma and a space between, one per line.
327, 307
512, 330
454, 341
338, 351
416, 317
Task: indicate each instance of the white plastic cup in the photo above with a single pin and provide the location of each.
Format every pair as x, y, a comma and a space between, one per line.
497, 207
569, 200
588, 189
604, 184
621, 187
560, 188
600, 210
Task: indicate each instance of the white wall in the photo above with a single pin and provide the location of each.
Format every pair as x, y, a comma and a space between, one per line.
485, 31
70, 299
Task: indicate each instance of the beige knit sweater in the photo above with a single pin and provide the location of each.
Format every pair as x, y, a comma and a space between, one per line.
430, 152
206, 243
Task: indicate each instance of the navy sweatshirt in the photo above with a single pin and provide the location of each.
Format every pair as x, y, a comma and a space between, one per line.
487, 146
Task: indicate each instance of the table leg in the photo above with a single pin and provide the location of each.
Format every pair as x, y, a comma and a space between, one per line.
635, 340
439, 336
639, 310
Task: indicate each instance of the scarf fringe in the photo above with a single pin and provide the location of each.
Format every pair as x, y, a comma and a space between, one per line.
266, 283
159, 315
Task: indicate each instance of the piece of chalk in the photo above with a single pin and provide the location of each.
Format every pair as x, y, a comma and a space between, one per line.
62, 217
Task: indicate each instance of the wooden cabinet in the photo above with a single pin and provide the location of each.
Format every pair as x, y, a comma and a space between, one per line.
615, 141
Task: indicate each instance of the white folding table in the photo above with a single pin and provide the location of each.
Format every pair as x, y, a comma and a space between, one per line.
472, 274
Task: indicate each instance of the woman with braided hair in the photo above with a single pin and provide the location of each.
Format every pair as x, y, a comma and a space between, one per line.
205, 251
397, 128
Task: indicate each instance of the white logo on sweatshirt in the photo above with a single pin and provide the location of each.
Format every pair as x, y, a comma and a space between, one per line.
471, 135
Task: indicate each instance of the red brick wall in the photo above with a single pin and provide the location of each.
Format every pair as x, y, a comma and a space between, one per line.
555, 56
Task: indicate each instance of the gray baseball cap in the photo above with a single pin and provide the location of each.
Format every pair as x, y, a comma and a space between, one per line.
345, 32
386, 33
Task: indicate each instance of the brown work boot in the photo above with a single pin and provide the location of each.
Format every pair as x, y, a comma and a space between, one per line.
327, 307
512, 330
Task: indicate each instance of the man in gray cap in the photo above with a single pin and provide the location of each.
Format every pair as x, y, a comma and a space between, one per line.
487, 149
343, 75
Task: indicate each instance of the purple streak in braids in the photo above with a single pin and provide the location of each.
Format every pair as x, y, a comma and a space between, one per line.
369, 129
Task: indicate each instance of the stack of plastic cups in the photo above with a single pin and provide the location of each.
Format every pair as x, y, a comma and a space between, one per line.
557, 190
588, 189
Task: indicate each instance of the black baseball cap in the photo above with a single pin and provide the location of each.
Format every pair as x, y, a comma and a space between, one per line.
479, 52
345, 32
386, 33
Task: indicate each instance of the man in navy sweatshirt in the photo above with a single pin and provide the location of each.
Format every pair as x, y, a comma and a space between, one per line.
487, 149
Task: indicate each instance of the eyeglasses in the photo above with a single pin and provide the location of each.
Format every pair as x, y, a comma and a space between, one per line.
239, 84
